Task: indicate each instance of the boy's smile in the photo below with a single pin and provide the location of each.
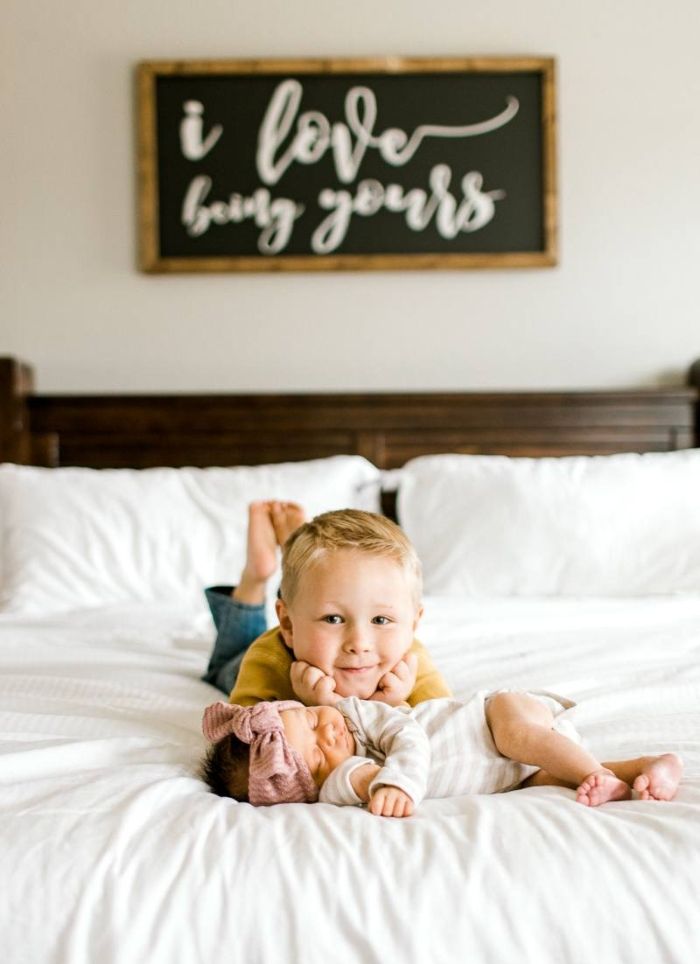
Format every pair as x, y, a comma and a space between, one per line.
353, 616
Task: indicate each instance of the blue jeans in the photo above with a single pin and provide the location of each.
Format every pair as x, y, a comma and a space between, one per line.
237, 625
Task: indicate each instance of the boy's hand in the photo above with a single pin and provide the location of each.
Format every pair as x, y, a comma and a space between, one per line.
311, 685
396, 685
391, 802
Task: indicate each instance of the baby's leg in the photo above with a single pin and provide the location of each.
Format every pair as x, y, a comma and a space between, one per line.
653, 777
522, 730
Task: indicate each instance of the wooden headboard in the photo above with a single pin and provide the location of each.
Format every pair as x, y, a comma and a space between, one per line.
148, 430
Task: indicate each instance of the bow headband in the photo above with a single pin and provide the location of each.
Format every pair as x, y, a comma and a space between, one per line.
277, 773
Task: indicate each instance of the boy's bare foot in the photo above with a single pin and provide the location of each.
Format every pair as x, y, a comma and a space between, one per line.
602, 787
261, 554
660, 777
286, 517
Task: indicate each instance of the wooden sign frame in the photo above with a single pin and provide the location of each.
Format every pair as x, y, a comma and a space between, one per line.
152, 257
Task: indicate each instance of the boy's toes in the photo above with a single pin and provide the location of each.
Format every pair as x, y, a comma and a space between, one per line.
286, 518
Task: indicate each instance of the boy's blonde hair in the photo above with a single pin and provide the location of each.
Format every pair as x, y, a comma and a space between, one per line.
347, 529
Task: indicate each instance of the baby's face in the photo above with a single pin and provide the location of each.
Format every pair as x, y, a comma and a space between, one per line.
321, 735
353, 616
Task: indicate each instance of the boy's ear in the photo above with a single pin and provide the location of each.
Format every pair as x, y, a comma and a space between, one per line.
285, 623
419, 616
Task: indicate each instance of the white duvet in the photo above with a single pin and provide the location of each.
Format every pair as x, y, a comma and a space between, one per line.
113, 851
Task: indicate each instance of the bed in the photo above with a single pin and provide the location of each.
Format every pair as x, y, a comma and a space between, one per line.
112, 848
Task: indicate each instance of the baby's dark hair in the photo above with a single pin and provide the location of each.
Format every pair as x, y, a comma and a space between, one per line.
225, 768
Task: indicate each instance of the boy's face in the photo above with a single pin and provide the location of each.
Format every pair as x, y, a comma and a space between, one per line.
353, 616
321, 735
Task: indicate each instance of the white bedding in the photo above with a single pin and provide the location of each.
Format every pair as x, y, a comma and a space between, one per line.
113, 851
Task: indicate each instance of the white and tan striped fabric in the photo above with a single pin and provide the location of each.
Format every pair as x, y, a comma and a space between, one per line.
440, 748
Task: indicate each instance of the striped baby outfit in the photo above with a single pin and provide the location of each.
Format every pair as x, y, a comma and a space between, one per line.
439, 748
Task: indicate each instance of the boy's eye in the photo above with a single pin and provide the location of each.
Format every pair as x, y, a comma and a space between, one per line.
333, 619
381, 620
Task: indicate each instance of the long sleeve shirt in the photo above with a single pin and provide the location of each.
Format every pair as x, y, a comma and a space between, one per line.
387, 735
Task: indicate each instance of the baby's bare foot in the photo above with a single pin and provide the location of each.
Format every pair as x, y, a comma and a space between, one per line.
660, 777
602, 787
286, 517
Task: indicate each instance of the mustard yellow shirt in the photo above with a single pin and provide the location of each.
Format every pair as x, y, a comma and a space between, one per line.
264, 673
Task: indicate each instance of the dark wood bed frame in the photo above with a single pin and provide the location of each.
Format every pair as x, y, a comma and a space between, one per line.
138, 431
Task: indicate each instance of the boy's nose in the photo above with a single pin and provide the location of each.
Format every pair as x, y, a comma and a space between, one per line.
357, 641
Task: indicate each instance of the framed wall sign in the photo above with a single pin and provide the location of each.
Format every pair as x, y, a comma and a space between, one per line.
357, 164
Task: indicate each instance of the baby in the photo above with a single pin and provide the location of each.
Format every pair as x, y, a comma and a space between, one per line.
368, 752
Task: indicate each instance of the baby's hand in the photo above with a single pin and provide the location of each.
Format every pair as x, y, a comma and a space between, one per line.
311, 685
396, 685
391, 802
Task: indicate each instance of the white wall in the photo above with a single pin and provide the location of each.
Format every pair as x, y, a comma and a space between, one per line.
620, 310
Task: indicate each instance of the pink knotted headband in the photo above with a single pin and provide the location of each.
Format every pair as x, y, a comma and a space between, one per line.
277, 773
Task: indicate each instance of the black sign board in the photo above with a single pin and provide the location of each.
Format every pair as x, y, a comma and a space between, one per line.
249, 165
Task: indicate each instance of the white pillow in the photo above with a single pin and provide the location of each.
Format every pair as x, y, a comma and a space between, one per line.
614, 525
77, 537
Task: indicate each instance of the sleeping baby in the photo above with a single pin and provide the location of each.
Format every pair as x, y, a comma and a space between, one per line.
367, 752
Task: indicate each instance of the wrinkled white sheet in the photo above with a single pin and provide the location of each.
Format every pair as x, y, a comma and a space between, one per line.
113, 851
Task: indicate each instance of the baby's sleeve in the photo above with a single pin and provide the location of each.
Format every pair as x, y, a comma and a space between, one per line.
338, 788
403, 743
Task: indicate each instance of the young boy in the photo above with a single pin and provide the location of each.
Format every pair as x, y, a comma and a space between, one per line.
286, 752
350, 601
